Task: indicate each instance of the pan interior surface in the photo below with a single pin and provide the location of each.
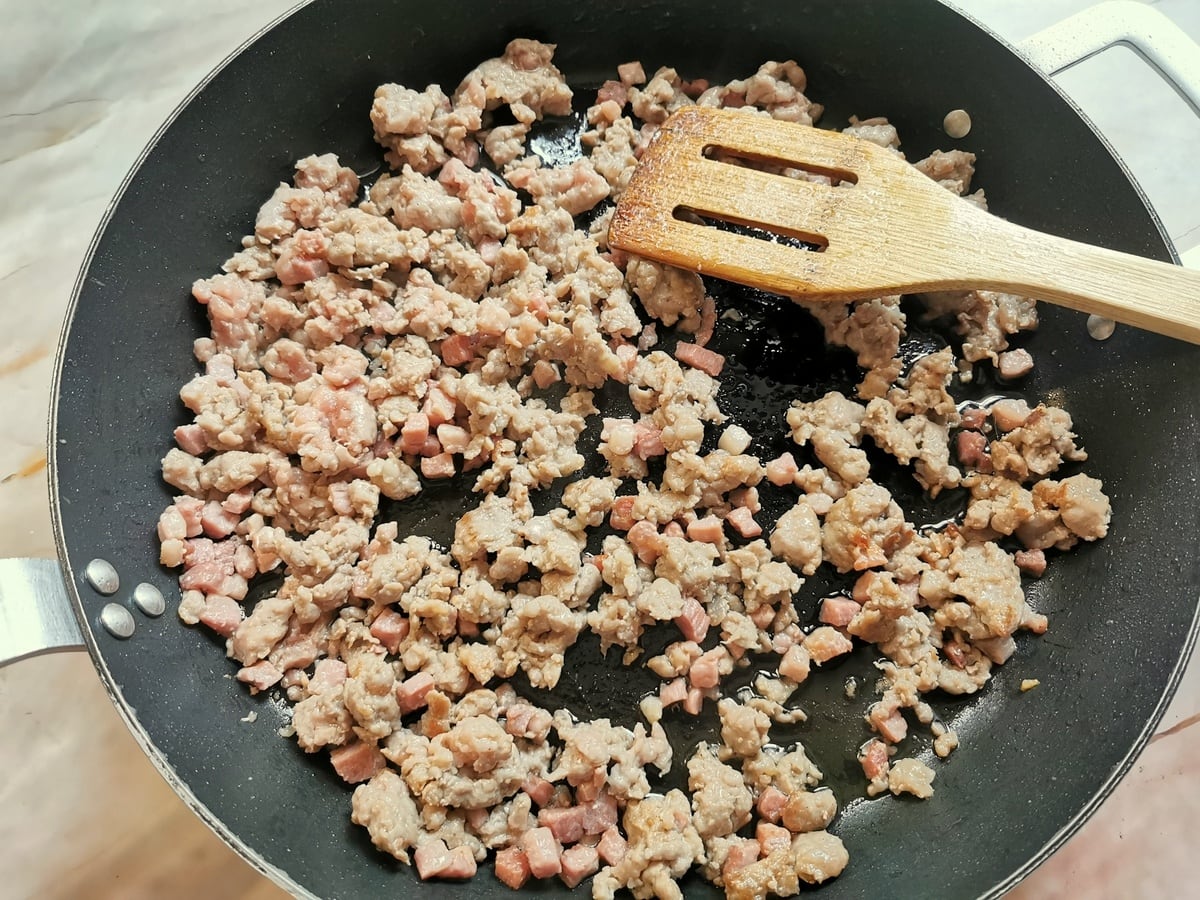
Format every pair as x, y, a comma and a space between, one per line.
1121, 612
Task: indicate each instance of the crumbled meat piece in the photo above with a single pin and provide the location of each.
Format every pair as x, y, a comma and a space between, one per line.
778, 89
811, 858
809, 811
1066, 512
833, 426
597, 746
879, 132
911, 776
668, 294
743, 728
524, 78
952, 169
861, 528
575, 188
662, 844
387, 810
661, 96
872, 330
721, 802
420, 129
1038, 446
986, 585
797, 537
984, 319
321, 719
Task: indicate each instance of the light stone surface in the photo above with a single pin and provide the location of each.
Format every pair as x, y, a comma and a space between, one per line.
83, 86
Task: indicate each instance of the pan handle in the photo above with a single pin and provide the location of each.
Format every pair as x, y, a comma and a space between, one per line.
1160, 42
35, 613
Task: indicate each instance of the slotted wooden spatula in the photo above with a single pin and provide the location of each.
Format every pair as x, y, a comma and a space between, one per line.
881, 227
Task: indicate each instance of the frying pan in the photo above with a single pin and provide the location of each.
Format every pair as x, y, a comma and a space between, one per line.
1031, 768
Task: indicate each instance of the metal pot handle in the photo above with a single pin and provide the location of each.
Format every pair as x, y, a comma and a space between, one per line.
35, 612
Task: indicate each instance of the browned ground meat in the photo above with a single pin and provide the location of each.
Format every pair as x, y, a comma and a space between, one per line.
360, 351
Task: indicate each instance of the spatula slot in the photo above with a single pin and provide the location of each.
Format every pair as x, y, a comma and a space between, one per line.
778, 165
789, 237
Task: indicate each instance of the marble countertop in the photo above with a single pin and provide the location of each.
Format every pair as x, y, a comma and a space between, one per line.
82, 88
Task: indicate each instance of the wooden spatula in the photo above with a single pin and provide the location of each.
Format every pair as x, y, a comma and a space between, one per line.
881, 227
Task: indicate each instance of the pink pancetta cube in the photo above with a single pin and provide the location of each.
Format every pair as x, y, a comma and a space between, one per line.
770, 804
742, 521
413, 433
512, 868
260, 676
542, 851
439, 466
838, 611
693, 622
578, 863
221, 614
700, 358
412, 691
357, 762
390, 629
707, 530
612, 847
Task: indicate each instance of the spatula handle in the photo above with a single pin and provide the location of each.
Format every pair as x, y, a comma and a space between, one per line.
1153, 295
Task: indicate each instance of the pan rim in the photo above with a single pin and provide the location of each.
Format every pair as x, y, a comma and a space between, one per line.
1072, 827
71, 582
250, 854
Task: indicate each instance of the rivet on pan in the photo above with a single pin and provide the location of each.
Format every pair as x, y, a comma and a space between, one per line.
101, 575
149, 599
117, 620
1101, 328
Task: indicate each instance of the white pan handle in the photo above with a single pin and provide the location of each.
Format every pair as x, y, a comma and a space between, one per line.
1162, 44
1155, 38
35, 613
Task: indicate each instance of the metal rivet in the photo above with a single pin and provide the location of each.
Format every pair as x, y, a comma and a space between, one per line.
117, 620
1101, 328
101, 575
149, 599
